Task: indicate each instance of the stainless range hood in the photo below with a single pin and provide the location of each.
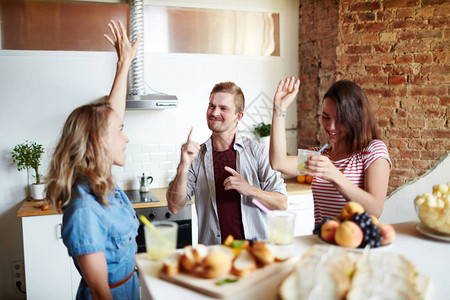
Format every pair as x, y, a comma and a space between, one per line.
136, 98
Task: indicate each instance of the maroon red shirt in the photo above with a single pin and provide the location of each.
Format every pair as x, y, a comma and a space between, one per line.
228, 202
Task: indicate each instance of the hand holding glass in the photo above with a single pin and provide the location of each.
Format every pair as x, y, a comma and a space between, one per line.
303, 156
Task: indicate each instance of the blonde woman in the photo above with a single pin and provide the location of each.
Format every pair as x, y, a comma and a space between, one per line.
99, 222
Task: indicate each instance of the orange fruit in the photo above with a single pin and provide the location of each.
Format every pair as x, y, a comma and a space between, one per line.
309, 179
301, 178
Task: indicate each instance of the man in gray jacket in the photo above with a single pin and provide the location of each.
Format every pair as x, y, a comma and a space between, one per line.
225, 174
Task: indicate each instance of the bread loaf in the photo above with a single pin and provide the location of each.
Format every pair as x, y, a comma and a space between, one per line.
244, 264
322, 273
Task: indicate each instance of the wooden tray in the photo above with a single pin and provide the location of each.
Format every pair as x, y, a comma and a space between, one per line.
210, 288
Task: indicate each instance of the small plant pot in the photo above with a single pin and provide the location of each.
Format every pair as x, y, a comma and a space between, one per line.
38, 191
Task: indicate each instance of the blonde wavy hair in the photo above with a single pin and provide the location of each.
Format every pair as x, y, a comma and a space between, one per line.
80, 153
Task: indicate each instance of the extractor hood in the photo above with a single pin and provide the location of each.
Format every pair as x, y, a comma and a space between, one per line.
137, 99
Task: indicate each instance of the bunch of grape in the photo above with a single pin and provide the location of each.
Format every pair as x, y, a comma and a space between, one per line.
372, 236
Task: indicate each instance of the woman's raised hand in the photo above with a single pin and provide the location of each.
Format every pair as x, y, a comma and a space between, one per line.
286, 92
119, 39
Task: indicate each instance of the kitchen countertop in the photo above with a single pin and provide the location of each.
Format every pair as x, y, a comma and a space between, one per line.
32, 208
430, 256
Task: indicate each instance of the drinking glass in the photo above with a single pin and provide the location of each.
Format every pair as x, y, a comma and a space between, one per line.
281, 227
161, 241
302, 156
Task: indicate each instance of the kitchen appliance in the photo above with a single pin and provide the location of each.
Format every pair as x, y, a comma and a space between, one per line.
136, 98
144, 183
160, 213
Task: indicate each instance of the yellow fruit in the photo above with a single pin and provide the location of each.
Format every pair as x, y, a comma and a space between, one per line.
301, 178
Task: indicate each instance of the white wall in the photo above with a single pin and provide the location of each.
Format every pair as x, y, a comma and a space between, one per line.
399, 206
38, 89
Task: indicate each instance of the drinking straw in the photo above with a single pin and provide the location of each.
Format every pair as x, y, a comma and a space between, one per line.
321, 149
261, 206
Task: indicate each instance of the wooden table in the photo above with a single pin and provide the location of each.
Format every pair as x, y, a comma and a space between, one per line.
431, 257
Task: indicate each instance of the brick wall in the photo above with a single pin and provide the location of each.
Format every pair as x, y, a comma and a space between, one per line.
398, 52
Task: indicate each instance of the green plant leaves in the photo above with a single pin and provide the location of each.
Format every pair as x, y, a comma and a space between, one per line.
263, 129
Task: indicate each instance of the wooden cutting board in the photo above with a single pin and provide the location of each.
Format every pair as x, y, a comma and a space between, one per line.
210, 288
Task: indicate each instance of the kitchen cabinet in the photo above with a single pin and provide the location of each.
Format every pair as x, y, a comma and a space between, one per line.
303, 206
49, 271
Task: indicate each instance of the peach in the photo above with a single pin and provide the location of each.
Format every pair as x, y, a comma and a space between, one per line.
328, 230
349, 235
350, 209
374, 219
387, 232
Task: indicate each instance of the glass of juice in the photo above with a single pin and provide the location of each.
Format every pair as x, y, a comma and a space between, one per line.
281, 227
161, 241
302, 156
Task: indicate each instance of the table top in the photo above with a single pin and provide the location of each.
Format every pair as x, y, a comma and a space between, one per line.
430, 256
30, 208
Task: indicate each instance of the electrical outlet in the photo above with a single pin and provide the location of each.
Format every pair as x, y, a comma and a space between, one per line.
18, 276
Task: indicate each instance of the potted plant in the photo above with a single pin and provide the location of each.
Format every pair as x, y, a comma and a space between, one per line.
262, 130
28, 155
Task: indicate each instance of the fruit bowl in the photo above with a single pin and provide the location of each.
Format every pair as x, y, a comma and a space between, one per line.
434, 218
433, 209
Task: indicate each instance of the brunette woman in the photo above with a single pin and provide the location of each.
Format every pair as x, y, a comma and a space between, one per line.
99, 222
356, 165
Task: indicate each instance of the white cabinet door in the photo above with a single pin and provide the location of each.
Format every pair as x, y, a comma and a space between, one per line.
303, 206
48, 267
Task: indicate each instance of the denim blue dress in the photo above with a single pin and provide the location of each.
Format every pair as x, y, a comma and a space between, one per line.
90, 227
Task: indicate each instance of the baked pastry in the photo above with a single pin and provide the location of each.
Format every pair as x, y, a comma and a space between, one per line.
262, 254
244, 264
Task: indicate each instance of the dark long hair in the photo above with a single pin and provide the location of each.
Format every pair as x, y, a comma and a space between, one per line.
354, 112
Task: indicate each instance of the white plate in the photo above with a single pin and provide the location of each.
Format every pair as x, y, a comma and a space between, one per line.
423, 229
358, 250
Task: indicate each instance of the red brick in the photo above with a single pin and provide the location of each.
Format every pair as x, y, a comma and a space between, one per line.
405, 13
408, 174
378, 59
418, 80
429, 101
370, 27
373, 69
424, 12
397, 79
434, 145
434, 155
423, 58
403, 164
436, 123
421, 164
445, 101
399, 3
369, 38
368, 16
403, 133
409, 24
404, 59
390, 102
365, 6
416, 123
364, 80
429, 34
398, 143
399, 122
359, 49
439, 22
406, 36
436, 69
411, 47
417, 144
382, 48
